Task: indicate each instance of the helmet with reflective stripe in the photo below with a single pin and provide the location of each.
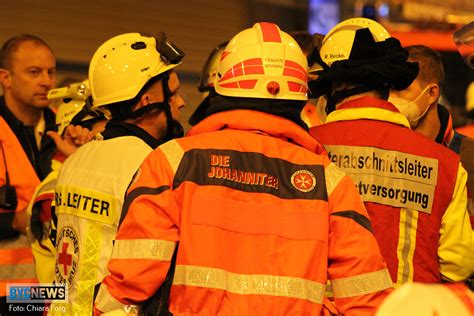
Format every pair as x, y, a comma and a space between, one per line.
124, 64
338, 43
262, 62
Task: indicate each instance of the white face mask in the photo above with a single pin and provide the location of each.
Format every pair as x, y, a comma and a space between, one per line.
409, 108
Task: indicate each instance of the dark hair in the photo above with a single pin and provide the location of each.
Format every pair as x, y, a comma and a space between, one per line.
430, 64
123, 110
10, 47
304, 40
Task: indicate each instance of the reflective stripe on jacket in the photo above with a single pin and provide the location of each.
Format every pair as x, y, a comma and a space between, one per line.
414, 190
16, 259
258, 216
89, 194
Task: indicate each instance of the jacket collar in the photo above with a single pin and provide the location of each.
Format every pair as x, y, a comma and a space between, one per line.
115, 129
15, 124
258, 122
368, 108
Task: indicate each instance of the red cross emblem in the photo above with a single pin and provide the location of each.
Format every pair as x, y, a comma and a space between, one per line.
67, 255
64, 258
303, 180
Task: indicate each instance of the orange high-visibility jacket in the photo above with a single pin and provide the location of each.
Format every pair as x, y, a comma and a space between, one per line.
413, 188
262, 221
16, 258
467, 130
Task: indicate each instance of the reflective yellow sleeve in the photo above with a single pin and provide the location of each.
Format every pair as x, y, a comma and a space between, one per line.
456, 246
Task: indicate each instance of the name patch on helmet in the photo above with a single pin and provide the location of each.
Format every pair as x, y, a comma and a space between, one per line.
273, 62
332, 56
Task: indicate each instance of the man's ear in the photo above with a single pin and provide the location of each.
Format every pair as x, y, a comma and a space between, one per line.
433, 94
144, 101
5, 79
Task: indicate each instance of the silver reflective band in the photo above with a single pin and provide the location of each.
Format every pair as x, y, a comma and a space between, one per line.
11, 272
173, 152
249, 284
154, 249
106, 302
334, 175
362, 284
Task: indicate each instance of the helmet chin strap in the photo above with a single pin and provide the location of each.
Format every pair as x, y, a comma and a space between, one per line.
173, 128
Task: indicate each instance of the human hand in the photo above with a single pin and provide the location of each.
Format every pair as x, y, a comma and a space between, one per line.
74, 137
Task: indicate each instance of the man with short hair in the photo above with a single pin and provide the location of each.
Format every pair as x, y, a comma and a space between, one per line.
424, 91
27, 73
437, 123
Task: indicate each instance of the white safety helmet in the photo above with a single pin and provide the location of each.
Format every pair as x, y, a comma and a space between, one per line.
124, 64
337, 44
263, 62
72, 101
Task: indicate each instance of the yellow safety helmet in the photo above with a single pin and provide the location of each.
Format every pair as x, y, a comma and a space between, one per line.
360, 52
263, 62
337, 44
124, 64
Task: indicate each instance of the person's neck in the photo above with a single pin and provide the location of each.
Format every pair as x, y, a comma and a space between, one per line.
28, 115
429, 125
356, 96
150, 124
